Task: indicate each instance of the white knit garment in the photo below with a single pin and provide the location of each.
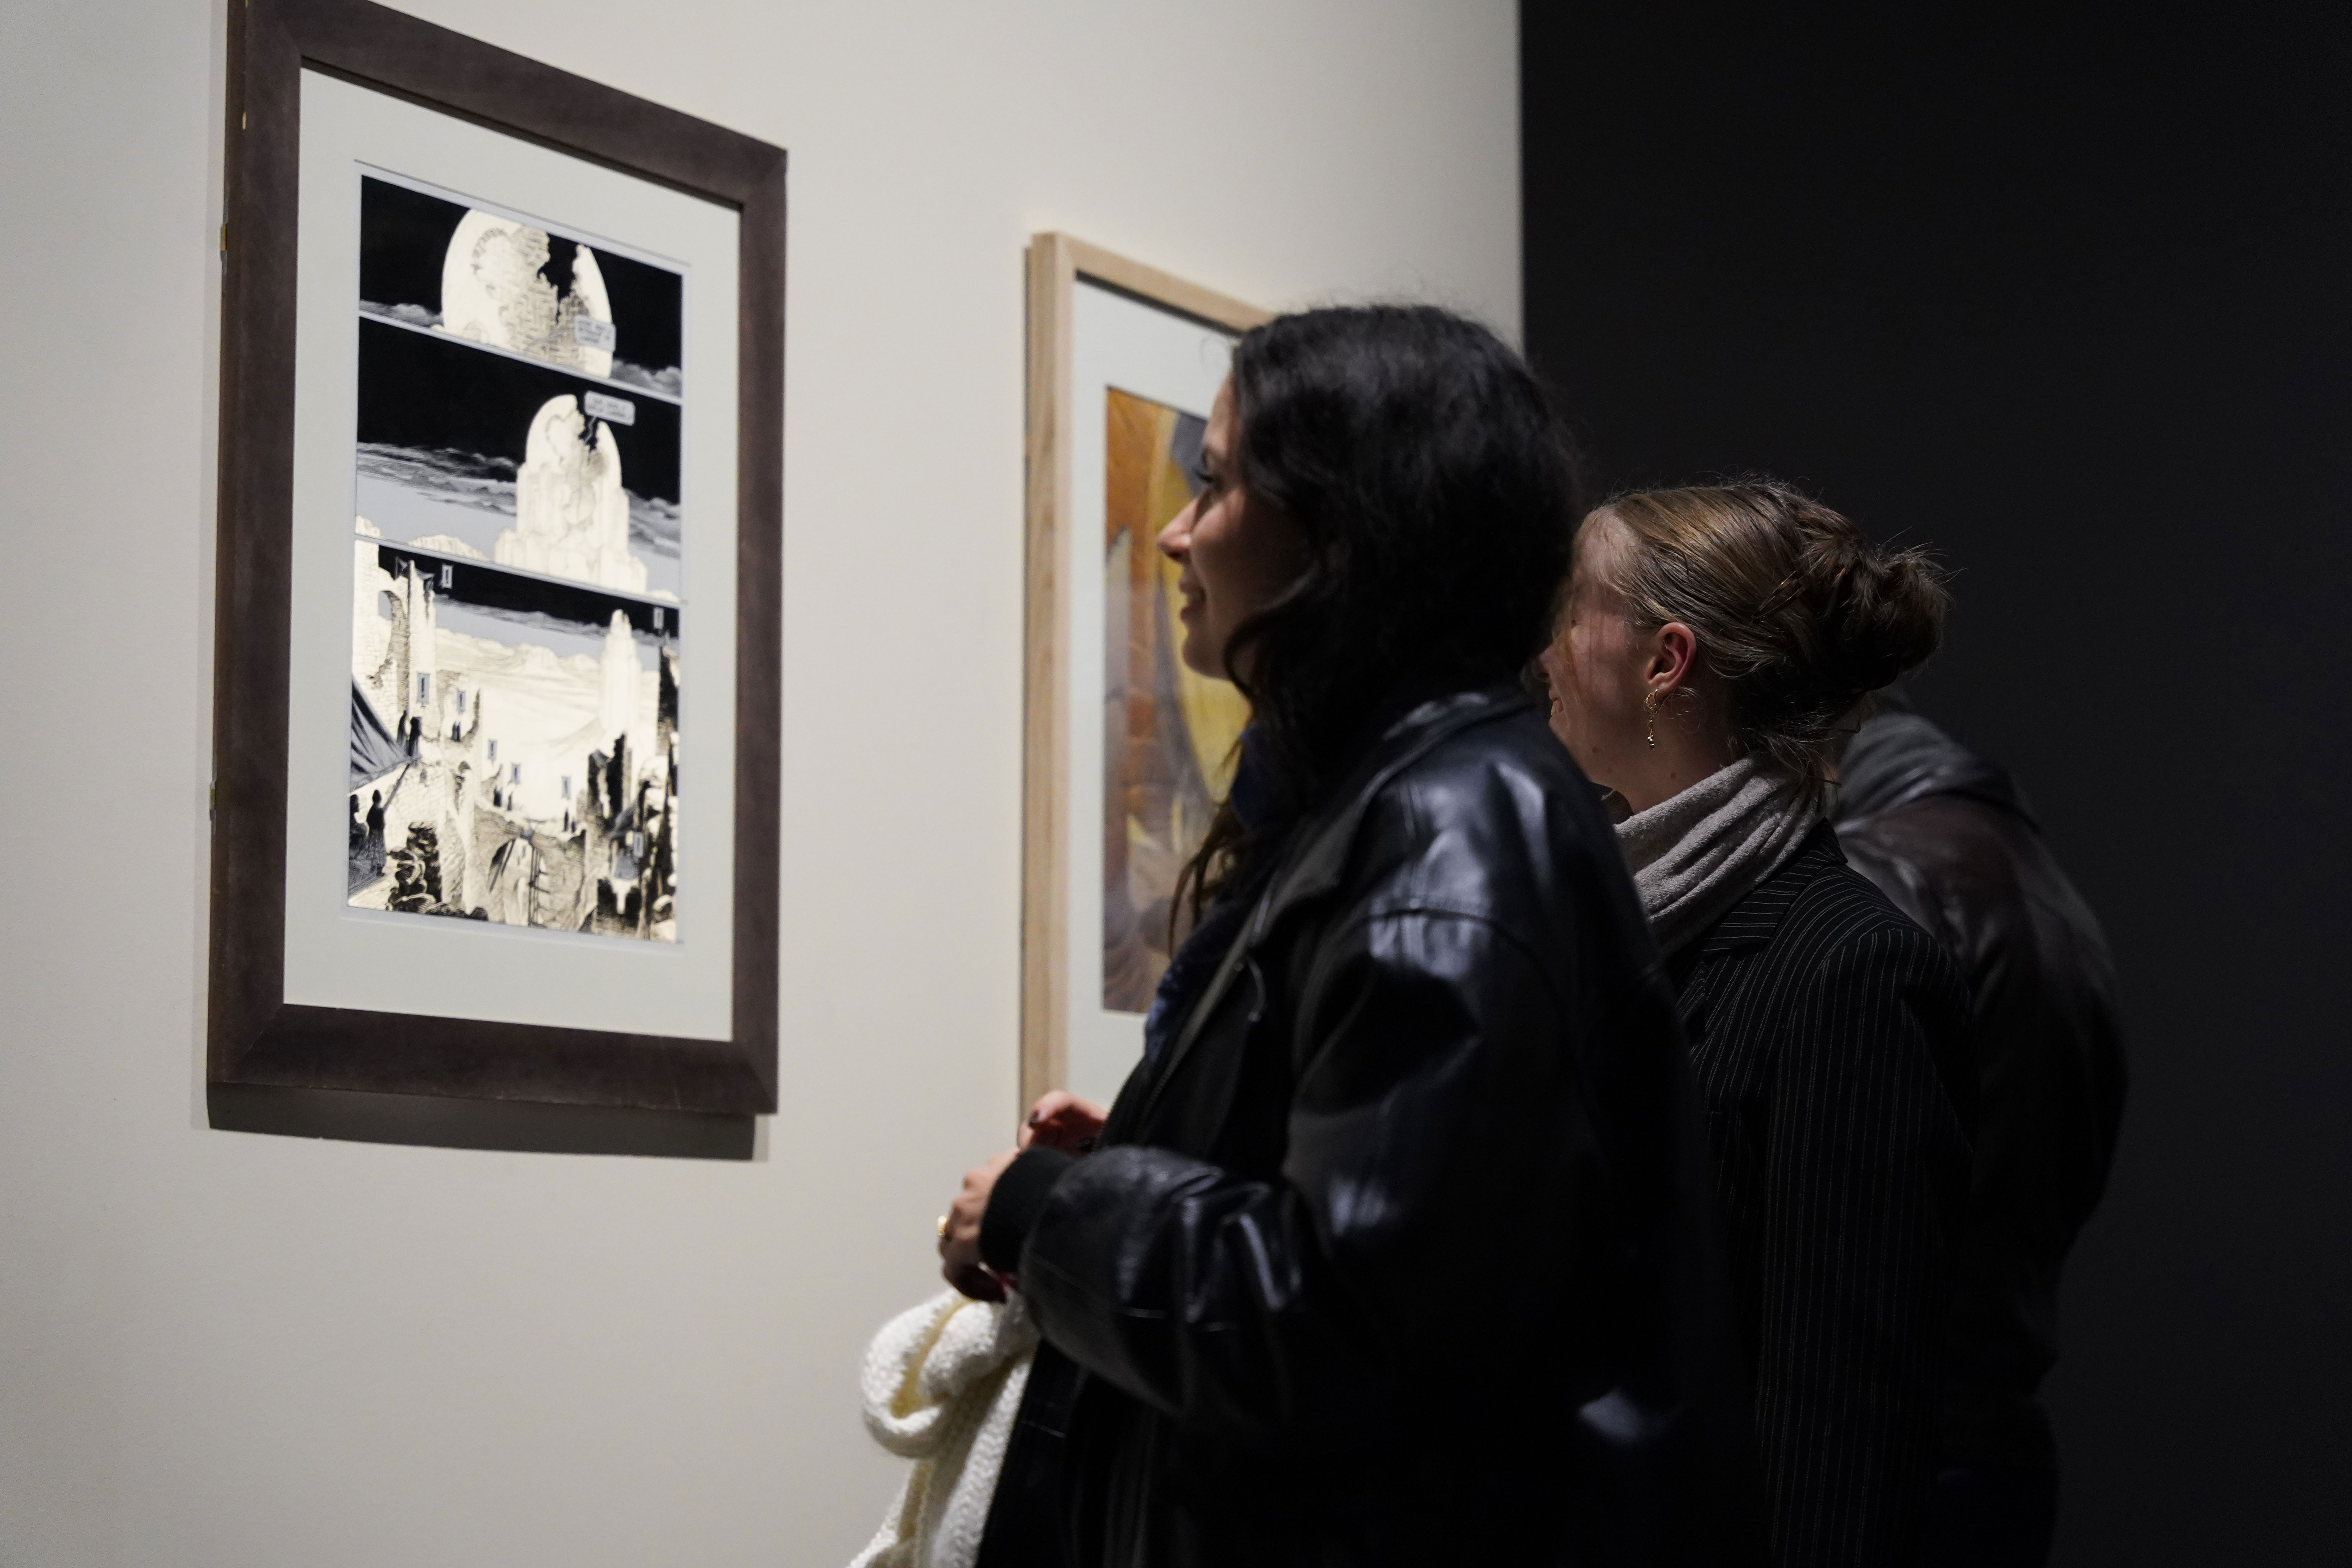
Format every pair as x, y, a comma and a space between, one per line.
941, 1385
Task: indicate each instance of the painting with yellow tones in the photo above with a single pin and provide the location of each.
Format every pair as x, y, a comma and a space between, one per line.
1169, 734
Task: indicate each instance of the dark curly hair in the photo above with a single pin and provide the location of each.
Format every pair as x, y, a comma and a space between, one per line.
1797, 612
1434, 485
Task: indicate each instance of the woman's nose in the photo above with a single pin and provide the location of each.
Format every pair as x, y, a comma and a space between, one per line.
1176, 539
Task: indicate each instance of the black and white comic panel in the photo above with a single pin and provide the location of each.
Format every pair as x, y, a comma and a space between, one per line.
515, 573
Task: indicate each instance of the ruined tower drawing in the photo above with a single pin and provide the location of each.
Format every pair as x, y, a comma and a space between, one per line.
618, 710
571, 516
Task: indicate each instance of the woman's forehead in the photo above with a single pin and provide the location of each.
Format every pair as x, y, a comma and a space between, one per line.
1221, 408
1600, 540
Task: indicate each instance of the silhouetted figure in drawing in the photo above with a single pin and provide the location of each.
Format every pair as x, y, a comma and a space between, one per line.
373, 848
358, 828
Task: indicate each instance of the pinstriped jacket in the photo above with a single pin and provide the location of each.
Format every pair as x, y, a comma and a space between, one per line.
1829, 1036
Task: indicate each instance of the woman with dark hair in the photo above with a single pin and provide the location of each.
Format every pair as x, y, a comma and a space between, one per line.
1714, 641
1396, 1247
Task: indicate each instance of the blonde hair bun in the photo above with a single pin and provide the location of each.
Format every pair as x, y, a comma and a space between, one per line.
1797, 612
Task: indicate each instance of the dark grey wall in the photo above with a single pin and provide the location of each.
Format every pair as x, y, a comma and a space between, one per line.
2068, 293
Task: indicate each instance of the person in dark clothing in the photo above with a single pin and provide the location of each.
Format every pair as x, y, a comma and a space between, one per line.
1712, 640
1397, 1247
372, 850
1949, 838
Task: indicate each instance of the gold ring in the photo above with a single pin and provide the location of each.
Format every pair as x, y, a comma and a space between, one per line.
943, 1228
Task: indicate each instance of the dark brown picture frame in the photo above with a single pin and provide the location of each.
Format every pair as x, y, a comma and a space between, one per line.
255, 1036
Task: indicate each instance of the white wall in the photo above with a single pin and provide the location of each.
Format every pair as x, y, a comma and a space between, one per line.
221, 1348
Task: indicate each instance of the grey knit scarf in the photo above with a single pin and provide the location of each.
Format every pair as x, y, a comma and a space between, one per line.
1697, 854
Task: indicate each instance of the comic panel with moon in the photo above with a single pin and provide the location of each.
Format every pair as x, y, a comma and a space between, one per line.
518, 535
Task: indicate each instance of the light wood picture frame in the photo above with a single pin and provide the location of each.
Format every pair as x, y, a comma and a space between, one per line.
1123, 361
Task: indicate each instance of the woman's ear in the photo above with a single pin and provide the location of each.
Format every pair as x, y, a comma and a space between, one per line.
1673, 659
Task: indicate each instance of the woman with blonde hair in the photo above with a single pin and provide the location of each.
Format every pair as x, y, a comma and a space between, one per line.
1713, 641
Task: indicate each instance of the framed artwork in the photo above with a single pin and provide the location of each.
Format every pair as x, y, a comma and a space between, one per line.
496, 695
1126, 749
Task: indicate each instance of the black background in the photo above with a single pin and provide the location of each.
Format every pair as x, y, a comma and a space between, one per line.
495, 589
405, 237
2067, 292
431, 392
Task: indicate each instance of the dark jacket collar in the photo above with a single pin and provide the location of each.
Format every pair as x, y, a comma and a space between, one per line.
1754, 919
1899, 757
1317, 858
1318, 854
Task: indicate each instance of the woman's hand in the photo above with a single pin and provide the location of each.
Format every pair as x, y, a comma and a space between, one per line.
960, 1241
1058, 1121
1061, 1121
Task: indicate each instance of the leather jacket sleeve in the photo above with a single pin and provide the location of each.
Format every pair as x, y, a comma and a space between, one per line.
1425, 1049
2049, 1060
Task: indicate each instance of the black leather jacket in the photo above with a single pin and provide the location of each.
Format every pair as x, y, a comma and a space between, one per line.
1404, 1250
1947, 836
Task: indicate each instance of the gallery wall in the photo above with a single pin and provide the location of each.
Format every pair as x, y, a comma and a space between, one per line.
248, 1349
2060, 292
